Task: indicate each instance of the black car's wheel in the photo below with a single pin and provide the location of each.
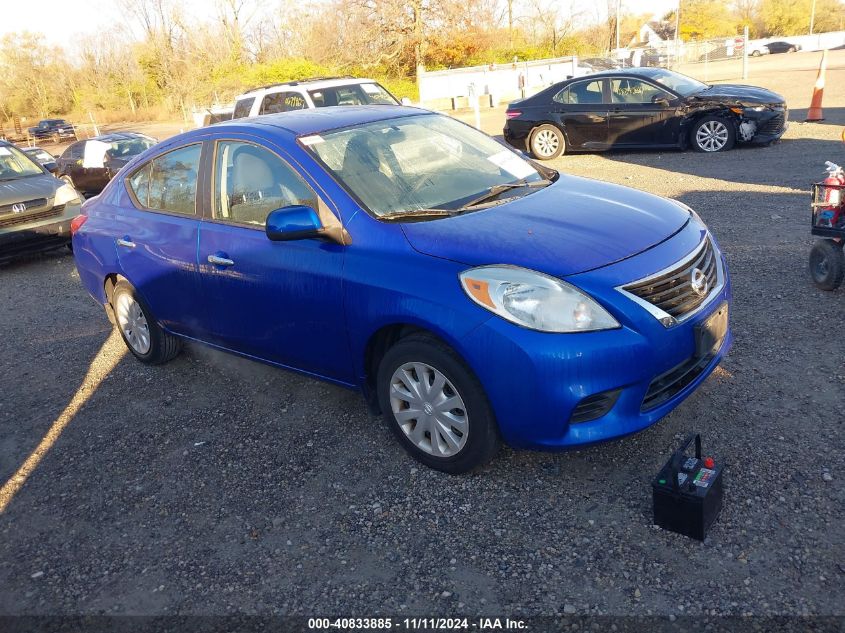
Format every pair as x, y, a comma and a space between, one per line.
827, 264
713, 134
147, 341
436, 406
547, 142
792, 49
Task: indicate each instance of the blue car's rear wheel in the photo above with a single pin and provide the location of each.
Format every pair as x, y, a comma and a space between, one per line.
436, 406
147, 341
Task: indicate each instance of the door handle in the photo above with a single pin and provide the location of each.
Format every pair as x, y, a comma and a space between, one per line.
217, 260
125, 241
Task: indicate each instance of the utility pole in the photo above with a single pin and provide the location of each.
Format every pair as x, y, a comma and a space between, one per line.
812, 17
618, 9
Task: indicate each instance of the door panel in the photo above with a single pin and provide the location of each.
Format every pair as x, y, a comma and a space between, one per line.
279, 301
162, 264
582, 112
636, 119
156, 239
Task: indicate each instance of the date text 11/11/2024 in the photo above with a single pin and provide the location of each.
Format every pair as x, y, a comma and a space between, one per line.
417, 624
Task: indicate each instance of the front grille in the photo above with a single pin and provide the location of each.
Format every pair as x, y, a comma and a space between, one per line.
24, 218
593, 407
30, 204
667, 385
773, 125
672, 291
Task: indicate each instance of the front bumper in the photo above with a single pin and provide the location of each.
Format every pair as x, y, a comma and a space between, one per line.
536, 380
770, 124
37, 235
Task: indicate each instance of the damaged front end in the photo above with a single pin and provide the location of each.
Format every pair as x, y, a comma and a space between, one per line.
760, 123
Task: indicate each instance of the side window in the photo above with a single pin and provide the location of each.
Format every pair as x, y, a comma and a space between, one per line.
251, 181
139, 183
74, 152
635, 91
282, 102
169, 182
583, 92
243, 107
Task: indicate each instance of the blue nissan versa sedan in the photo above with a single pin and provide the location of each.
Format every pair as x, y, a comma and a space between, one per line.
473, 296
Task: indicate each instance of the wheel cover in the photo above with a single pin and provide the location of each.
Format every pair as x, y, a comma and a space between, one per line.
546, 143
133, 323
429, 409
712, 136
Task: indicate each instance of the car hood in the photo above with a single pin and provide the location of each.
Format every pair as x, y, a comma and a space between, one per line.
572, 226
30, 188
735, 93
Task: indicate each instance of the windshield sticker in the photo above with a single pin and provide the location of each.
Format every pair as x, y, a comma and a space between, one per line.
312, 140
512, 164
370, 89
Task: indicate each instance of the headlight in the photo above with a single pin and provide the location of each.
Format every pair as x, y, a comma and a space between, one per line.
65, 194
534, 300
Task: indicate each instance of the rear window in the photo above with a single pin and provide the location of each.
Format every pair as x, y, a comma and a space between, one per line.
243, 108
353, 94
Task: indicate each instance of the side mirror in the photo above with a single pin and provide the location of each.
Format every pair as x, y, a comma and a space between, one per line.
294, 222
662, 102
405, 101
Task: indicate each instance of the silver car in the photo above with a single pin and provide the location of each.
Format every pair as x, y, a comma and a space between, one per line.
36, 209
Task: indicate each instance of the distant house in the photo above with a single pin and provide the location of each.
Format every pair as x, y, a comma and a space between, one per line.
654, 33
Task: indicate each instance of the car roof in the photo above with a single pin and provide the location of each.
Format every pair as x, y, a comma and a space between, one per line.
310, 84
317, 120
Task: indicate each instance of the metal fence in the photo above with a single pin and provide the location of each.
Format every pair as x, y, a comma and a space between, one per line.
718, 59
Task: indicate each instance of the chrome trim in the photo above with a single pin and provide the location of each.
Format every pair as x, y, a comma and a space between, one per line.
666, 319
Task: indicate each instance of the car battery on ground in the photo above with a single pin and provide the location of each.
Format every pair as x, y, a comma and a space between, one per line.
688, 492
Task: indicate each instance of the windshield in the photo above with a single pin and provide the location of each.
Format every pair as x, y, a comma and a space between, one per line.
420, 162
130, 147
352, 94
15, 164
681, 84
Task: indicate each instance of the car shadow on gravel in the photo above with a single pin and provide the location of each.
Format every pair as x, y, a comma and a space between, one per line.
793, 163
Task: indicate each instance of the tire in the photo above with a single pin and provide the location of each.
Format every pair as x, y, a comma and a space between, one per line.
792, 49
713, 134
546, 142
470, 436
827, 264
147, 341
756, 54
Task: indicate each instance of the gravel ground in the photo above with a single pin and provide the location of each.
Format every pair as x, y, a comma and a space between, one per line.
213, 485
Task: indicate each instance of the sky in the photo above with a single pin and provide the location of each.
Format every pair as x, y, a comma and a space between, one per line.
61, 20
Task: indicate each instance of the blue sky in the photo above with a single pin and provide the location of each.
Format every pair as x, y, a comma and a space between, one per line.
60, 20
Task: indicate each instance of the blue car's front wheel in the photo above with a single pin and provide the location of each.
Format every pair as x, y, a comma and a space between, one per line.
436, 406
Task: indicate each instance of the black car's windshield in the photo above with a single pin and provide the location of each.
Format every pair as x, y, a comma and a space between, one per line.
130, 147
421, 163
681, 84
15, 164
352, 94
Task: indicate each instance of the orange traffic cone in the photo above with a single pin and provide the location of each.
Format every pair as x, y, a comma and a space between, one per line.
815, 111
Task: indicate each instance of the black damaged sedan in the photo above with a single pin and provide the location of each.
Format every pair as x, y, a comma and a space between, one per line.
643, 108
